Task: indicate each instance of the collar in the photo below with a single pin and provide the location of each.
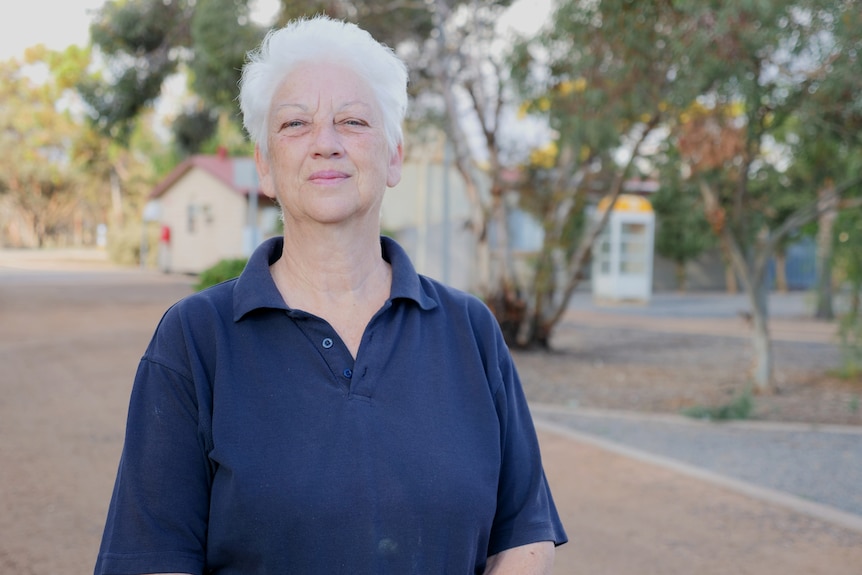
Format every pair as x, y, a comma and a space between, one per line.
255, 288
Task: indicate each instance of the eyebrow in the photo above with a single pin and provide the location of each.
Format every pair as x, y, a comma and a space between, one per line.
304, 108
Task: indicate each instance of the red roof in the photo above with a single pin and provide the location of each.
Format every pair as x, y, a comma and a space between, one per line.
221, 166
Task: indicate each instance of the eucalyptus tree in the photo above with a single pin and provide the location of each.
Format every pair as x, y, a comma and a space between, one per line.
38, 187
143, 43
603, 76
770, 67
682, 233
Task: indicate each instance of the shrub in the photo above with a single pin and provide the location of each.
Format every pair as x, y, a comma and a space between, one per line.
222, 271
739, 407
850, 333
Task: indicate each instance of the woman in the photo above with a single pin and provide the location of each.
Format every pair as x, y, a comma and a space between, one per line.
330, 411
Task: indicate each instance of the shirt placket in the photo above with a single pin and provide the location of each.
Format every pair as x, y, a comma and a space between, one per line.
331, 349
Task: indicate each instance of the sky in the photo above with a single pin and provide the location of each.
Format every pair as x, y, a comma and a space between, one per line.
55, 24
61, 23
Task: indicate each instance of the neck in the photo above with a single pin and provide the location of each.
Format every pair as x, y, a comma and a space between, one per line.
319, 268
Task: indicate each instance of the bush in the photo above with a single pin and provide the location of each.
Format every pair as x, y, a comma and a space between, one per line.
222, 271
740, 407
124, 244
850, 333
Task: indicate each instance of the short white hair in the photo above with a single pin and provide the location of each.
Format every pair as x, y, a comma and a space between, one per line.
314, 40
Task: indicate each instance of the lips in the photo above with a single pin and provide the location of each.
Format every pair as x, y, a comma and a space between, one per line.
328, 177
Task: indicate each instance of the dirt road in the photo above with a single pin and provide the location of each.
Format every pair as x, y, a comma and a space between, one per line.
69, 345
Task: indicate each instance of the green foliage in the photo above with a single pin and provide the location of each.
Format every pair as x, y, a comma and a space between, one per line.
124, 244
43, 185
390, 22
848, 253
740, 407
848, 268
222, 271
682, 232
600, 76
192, 129
230, 136
850, 334
143, 42
222, 34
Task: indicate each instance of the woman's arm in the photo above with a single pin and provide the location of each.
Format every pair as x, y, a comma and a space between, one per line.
531, 559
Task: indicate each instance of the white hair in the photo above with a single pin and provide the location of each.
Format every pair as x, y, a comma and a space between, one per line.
322, 39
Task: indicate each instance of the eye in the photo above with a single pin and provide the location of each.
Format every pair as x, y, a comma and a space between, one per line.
292, 124
354, 122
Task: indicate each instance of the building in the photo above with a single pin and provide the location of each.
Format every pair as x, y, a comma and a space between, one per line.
203, 209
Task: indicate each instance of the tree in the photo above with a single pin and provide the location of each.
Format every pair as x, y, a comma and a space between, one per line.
38, 186
848, 263
603, 76
222, 33
466, 71
142, 43
765, 64
682, 232
392, 22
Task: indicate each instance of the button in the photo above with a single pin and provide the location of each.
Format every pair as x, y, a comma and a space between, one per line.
327, 342
348, 373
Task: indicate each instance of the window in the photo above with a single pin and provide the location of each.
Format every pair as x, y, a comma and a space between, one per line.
191, 211
633, 248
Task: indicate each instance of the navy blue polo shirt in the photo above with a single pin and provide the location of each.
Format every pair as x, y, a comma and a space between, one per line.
256, 444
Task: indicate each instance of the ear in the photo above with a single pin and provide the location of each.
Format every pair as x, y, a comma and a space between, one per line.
264, 173
395, 162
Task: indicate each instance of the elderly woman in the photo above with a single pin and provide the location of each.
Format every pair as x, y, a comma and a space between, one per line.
329, 411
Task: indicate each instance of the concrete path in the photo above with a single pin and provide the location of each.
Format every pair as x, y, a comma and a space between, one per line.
628, 515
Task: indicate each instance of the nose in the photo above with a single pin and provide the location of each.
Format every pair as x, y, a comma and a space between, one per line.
327, 141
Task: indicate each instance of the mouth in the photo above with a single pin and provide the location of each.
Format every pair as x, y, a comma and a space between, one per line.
328, 177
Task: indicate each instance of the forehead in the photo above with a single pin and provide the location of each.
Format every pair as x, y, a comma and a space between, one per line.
322, 81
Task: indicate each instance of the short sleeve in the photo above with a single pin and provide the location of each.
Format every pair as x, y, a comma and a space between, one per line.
159, 508
525, 507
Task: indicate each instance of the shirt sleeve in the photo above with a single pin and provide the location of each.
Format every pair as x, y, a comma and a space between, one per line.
526, 512
159, 508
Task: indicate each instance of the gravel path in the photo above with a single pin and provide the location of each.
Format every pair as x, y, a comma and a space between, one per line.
623, 372
822, 465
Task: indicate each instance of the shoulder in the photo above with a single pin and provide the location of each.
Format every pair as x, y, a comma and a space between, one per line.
213, 302
193, 320
465, 309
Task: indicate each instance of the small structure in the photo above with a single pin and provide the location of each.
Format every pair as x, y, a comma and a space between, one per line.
622, 261
204, 213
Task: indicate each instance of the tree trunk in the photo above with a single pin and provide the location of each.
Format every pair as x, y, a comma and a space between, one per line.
780, 272
827, 207
564, 287
116, 199
762, 367
681, 280
461, 151
753, 277
731, 285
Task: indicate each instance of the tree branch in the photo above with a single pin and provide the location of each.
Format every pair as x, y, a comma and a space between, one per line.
811, 211
585, 247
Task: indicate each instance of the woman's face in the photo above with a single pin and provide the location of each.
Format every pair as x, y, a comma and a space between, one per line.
328, 161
